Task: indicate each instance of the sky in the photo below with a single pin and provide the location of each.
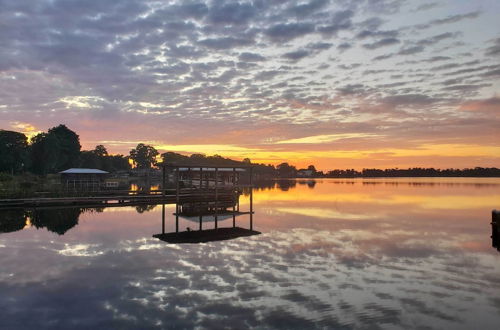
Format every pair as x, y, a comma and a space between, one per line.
335, 83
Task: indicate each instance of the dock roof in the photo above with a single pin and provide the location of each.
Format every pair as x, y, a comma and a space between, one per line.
83, 171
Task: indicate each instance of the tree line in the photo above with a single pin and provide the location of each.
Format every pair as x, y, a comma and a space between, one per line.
59, 149
53, 151
285, 170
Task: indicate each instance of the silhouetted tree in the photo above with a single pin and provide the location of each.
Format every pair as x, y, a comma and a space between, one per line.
144, 156
100, 151
13, 151
89, 159
117, 163
68, 147
286, 170
312, 168
55, 151
44, 153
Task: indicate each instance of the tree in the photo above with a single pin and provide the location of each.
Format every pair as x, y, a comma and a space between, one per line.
44, 153
89, 159
55, 151
100, 151
13, 151
312, 168
68, 147
286, 170
117, 163
144, 156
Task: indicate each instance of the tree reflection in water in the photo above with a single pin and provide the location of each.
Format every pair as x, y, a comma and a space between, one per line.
12, 220
56, 220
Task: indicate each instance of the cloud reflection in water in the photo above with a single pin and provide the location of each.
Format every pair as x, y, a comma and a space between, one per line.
395, 266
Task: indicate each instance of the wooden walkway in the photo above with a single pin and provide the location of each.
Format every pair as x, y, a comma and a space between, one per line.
120, 200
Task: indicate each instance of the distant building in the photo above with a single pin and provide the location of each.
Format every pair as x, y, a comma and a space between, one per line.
83, 178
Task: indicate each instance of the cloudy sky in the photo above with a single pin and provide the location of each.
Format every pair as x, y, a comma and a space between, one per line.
337, 83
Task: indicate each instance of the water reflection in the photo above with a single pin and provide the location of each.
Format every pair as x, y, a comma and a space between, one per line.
12, 220
211, 213
55, 220
337, 256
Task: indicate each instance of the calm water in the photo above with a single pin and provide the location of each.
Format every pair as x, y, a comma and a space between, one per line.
383, 253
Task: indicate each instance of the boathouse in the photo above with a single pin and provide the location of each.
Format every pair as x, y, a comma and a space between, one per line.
83, 178
210, 176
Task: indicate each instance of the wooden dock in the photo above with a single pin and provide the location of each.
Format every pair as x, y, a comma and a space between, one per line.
119, 200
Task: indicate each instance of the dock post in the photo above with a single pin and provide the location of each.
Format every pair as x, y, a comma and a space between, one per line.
216, 195
177, 200
234, 197
201, 178
251, 199
164, 187
163, 218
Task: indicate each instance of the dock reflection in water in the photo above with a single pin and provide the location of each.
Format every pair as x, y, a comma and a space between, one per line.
200, 213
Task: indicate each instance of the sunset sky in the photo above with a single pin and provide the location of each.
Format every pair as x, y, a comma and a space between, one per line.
338, 84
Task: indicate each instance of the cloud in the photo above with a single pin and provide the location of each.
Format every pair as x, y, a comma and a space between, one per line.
437, 38
495, 49
427, 6
437, 58
320, 46
339, 21
411, 50
489, 106
296, 55
409, 99
287, 31
326, 138
382, 57
296, 64
344, 46
226, 42
251, 57
308, 8
382, 43
232, 13
377, 34
266, 75
455, 18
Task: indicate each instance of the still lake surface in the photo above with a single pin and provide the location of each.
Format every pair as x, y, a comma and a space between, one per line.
333, 253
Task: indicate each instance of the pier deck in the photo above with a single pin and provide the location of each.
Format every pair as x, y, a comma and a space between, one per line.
119, 200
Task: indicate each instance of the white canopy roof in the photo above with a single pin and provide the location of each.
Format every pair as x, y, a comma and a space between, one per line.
83, 171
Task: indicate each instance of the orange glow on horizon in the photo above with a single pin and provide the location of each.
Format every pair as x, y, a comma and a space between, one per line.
301, 157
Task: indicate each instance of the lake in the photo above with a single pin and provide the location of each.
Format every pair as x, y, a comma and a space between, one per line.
332, 253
